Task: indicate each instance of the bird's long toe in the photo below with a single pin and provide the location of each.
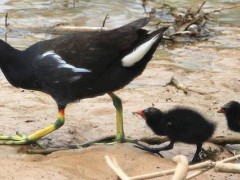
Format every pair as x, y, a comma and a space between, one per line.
18, 139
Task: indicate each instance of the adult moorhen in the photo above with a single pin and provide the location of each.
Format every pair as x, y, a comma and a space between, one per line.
80, 65
179, 125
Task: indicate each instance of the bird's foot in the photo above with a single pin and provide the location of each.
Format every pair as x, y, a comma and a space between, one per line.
122, 139
116, 140
18, 139
146, 148
108, 140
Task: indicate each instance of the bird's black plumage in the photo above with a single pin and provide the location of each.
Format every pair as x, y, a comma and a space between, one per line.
83, 64
232, 113
179, 125
99, 52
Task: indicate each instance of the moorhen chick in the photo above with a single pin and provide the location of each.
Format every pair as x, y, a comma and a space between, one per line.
232, 113
80, 65
179, 125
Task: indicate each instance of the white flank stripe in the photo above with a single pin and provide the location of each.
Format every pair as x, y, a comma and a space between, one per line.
48, 53
138, 53
63, 64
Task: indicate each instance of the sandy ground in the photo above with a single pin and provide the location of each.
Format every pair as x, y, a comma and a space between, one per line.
27, 111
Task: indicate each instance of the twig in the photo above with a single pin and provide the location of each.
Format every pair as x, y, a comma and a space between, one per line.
222, 140
170, 171
200, 8
144, 3
176, 83
45, 151
197, 173
113, 164
6, 20
154, 140
222, 9
230, 159
227, 167
219, 140
104, 21
182, 167
56, 29
221, 166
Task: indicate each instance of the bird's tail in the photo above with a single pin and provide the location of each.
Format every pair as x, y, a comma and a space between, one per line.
145, 47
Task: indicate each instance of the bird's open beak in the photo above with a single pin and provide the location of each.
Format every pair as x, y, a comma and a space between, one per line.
221, 110
140, 113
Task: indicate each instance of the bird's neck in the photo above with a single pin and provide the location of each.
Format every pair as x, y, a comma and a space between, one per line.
11, 63
8, 54
157, 125
233, 120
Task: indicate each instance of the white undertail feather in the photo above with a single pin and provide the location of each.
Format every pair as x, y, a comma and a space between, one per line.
138, 53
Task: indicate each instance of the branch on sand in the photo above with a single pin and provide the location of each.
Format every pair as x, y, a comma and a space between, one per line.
175, 82
219, 140
58, 28
181, 170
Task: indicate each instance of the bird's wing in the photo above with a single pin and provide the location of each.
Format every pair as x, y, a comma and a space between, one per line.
51, 69
96, 50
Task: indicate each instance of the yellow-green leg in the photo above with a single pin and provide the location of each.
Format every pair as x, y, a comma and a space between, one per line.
19, 139
120, 137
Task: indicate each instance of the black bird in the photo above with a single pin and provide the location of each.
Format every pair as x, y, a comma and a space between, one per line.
232, 113
80, 65
179, 125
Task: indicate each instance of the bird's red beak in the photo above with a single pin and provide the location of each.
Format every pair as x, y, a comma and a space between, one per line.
140, 113
221, 110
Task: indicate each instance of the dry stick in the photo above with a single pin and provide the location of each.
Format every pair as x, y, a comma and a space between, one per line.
57, 29
45, 151
176, 83
222, 9
219, 140
182, 167
6, 19
227, 167
104, 21
144, 3
199, 9
207, 165
197, 173
230, 159
171, 171
221, 167
113, 164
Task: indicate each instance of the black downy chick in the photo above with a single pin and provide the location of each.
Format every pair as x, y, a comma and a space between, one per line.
179, 125
232, 113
